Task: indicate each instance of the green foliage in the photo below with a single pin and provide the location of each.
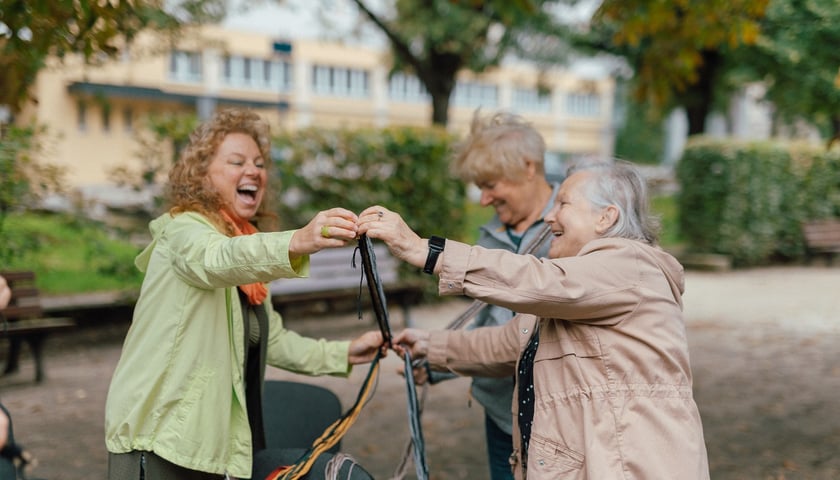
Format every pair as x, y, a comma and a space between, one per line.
678, 49
749, 200
23, 178
476, 216
665, 207
664, 41
33, 31
404, 169
15, 147
793, 58
642, 137
70, 255
437, 39
160, 140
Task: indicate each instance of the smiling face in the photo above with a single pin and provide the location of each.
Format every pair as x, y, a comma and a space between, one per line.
509, 199
237, 172
573, 219
518, 202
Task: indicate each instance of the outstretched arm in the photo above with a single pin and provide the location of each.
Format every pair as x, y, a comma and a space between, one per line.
327, 229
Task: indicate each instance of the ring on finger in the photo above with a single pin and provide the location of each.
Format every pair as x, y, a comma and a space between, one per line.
325, 231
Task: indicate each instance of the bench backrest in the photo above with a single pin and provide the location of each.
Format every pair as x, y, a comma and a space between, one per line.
332, 269
26, 301
824, 233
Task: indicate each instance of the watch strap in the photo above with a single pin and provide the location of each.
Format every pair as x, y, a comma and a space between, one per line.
436, 245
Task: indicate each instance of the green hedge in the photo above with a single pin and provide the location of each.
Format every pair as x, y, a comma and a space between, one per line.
748, 200
404, 169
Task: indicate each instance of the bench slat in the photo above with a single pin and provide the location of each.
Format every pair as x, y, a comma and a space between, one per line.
14, 312
15, 276
822, 236
36, 325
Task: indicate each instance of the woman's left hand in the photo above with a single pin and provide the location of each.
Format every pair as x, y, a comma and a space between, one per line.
328, 229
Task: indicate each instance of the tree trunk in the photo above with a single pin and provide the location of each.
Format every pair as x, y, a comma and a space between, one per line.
440, 108
700, 96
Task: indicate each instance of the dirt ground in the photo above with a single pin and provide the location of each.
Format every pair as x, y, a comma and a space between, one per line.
764, 351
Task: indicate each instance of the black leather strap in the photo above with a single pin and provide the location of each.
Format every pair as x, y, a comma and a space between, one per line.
436, 245
377, 293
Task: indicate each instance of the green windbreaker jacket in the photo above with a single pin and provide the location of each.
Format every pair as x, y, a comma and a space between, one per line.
178, 388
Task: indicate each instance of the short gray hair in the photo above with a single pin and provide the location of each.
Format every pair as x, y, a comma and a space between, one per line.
498, 147
619, 183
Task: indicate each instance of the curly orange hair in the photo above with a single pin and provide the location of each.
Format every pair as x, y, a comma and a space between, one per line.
189, 190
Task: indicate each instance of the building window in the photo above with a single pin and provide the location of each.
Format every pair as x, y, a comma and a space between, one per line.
530, 100
475, 94
266, 72
81, 116
406, 88
339, 81
246, 71
185, 66
256, 73
583, 104
128, 119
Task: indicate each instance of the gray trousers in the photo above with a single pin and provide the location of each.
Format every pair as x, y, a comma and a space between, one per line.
138, 465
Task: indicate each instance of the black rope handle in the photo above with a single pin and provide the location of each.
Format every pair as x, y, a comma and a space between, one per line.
377, 293
380, 308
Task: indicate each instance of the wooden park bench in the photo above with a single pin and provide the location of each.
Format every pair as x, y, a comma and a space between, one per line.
334, 285
23, 320
822, 237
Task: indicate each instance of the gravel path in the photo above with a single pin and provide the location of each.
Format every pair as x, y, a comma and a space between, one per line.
764, 351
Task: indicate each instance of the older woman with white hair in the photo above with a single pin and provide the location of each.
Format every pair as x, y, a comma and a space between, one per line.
598, 349
503, 156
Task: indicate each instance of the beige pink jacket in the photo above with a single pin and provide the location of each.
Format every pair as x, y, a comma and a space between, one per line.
612, 377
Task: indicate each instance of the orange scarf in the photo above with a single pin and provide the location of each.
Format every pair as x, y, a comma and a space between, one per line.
256, 292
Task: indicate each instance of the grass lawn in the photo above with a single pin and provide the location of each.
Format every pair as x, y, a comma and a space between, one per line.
68, 255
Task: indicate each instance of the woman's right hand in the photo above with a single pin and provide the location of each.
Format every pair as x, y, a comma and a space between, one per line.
331, 228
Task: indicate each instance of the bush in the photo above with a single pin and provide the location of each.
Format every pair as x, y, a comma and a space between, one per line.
70, 254
748, 200
402, 168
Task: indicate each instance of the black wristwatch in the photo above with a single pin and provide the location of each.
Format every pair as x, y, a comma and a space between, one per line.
436, 245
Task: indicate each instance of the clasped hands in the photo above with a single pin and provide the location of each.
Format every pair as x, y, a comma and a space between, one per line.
337, 227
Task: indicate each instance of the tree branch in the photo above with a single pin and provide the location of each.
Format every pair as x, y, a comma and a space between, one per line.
397, 42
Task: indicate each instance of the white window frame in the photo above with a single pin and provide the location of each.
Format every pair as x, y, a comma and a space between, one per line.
580, 104
407, 88
476, 94
185, 66
340, 81
530, 100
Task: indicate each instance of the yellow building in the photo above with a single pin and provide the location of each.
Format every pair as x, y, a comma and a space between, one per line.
93, 112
